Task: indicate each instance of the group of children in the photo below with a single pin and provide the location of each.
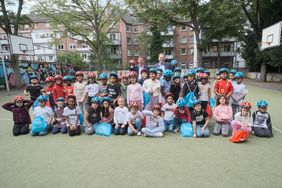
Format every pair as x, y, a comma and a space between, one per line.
160, 101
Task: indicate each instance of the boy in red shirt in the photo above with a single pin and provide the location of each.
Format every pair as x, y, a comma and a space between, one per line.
68, 86
223, 86
58, 90
49, 89
182, 114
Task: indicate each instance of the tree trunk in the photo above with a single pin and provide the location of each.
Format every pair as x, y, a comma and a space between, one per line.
99, 58
263, 72
199, 51
16, 67
218, 54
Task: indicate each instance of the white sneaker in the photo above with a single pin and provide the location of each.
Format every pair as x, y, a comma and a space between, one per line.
138, 133
159, 135
145, 135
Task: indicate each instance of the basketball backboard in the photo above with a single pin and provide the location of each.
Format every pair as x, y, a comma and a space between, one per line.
271, 36
21, 45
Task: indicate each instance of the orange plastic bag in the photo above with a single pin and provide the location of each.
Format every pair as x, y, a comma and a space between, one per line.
209, 110
239, 136
144, 120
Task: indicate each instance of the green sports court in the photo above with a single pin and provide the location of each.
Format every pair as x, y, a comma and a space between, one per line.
123, 161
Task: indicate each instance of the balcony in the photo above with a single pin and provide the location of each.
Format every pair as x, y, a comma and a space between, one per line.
115, 56
167, 33
4, 42
168, 45
82, 49
215, 54
115, 42
45, 51
168, 56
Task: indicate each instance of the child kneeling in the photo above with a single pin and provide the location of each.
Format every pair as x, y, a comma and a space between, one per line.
60, 120
20, 108
222, 115
93, 116
200, 120
154, 122
42, 111
71, 112
134, 120
262, 126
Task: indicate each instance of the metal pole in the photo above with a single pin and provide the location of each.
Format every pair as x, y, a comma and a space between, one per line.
4, 71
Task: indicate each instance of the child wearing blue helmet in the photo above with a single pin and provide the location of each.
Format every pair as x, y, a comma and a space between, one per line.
181, 114
262, 126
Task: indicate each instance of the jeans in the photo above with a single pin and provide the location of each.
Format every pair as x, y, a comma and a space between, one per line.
120, 130
63, 130
177, 122
137, 125
199, 131
19, 129
168, 125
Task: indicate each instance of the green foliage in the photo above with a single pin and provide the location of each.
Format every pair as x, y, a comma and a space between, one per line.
71, 58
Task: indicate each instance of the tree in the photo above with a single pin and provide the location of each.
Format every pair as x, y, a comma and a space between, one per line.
223, 19
178, 13
260, 14
89, 20
70, 58
10, 22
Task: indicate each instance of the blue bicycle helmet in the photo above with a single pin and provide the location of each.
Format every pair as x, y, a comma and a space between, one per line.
153, 70
114, 74
33, 77
197, 102
191, 72
223, 70
233, 71
103, 76
180, 103
200, 69
42, 98
67, 78
160, 70
176, 75
95, 100
173, 62
60, 99
106, 99
262, 103
167, 72
239, 75
177, 69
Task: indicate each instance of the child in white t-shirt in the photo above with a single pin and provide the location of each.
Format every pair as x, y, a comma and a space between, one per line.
168, 112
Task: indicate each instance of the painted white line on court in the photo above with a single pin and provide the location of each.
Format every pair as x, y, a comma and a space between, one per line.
277, 129
6, 119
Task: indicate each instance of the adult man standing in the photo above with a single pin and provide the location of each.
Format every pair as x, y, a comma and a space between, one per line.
161, 64
141, 65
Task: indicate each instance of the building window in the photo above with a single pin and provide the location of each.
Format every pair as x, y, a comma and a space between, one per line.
168, 52
60, 46
191, 39
51, 57
128, 52
113, 50
191, 51
128, 28
47, 25
137, 53
136, 40
135, 29
227, 48
72, 46
128, 40
183, 28
183, 40
183, 51
84, 45
113, 36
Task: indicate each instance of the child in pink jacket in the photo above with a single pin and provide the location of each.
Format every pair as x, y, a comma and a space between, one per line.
223, 116
135, 91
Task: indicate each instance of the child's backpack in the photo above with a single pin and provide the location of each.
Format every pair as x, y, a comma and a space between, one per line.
38, 124
209, 110
146, 97
104, 129
186, 130
190, 97
239, 136
212, 102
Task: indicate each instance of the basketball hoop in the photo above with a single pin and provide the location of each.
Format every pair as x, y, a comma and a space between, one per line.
265, 44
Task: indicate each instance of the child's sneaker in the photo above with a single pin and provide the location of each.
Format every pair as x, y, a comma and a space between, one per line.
145, 135
175, 131
138, 133
159, 134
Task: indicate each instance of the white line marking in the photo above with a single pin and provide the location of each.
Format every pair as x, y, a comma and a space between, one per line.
277, 129
6, 119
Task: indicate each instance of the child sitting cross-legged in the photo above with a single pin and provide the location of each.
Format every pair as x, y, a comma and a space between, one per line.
134, 120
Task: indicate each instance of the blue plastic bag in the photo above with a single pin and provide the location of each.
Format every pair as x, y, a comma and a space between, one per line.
212, 102
190, 99
186, 130
104, 129
80, 119
38, 124
146, 97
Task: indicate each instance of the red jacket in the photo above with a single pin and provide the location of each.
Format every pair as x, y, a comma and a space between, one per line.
58, 91
186, 115
68, 91
223, 87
